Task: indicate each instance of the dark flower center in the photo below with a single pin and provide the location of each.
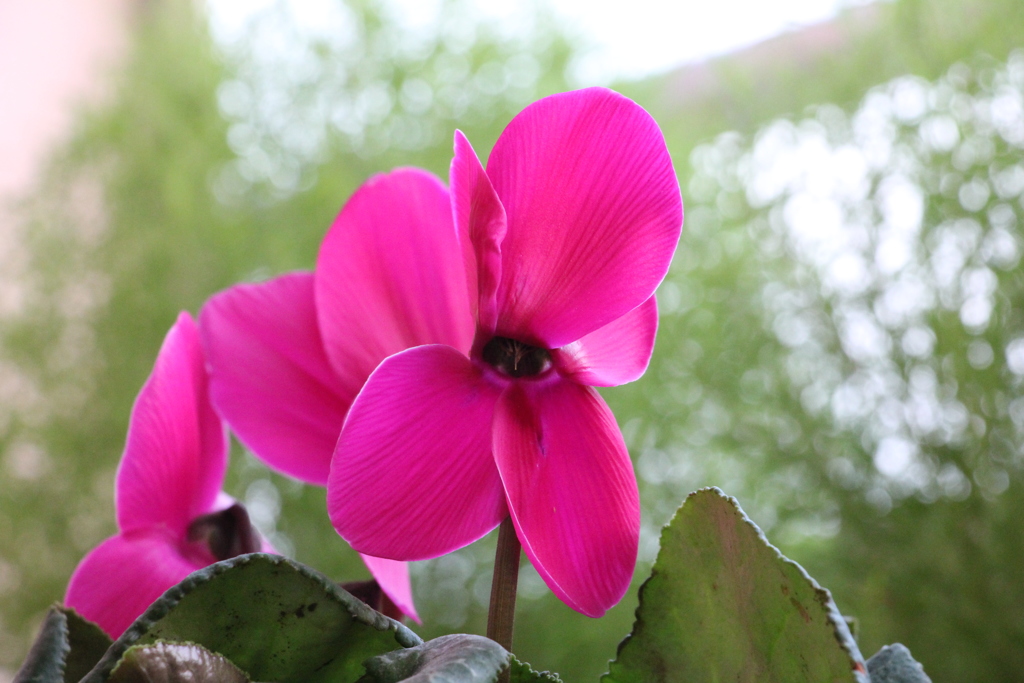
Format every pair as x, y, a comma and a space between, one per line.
225, 534
515, 358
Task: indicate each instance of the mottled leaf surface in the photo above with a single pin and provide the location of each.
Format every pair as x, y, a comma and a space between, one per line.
722, 604
459, 658
275, 619
175, 663
893, 664
452, 659
65, 649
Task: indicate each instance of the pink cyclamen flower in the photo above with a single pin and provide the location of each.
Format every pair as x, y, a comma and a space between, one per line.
288, 356
565, 237
172, 515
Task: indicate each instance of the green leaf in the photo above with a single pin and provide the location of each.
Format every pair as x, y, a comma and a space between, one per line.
175, 663
275, 619
65, 649
45, 661
524, 673
88, 644
459, 658
722, 604
893, 664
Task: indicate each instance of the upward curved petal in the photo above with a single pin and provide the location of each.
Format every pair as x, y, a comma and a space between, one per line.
393, 578
614, 354
270, 377
594, 214
115, 583
176, 451
390, 275
571, 490
413, 476
480, 222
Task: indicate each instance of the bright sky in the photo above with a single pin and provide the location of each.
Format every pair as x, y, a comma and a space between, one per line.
631, 38
634, 38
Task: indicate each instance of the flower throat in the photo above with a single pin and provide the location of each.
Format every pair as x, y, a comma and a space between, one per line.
225, 534
515, 358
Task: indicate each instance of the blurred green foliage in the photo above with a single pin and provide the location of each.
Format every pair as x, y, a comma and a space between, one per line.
883, 412
219, 163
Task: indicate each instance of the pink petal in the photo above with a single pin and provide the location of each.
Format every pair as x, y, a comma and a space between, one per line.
480, 221
270, 377
390, 275
413, 476
594, 214
614, 354
571, 490
176, 451
393, 578
123, 576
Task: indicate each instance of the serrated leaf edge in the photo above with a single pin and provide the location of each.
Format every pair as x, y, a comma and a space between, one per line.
840, 629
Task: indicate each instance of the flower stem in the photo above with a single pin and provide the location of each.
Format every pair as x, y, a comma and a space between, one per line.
501, 617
